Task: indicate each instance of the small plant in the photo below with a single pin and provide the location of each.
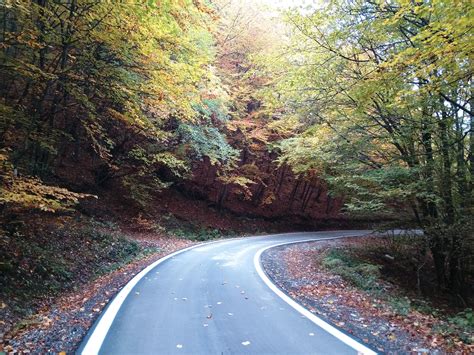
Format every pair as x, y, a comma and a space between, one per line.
461, 325
201, 234
113, 226
400, 305
464, 320
425, 307
360, 274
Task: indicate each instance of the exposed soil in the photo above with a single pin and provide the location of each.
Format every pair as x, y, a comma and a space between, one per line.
298, 271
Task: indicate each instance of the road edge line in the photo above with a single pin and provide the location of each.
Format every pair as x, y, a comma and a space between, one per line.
104, 322
360, 348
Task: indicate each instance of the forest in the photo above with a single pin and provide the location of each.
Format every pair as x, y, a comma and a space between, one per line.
204, 118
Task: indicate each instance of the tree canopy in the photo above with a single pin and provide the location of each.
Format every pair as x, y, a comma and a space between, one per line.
382, 92
373, 97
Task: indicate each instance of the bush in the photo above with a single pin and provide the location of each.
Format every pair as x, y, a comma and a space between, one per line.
464, 319
461, 325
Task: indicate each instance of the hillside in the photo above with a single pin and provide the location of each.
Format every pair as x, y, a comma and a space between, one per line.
131, 130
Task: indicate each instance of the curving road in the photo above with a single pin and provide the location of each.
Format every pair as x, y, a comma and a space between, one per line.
215, 299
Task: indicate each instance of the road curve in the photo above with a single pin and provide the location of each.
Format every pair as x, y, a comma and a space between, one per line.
213, 299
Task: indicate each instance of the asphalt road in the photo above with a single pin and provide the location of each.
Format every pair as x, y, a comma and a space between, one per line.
213, 300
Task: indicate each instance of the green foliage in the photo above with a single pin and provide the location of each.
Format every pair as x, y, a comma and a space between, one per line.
461, 324
362, 275
205, 137
375, 108
170, 225
400, 305
201, 234
144, 181
464, 319
111, 248
206, 141
49, 262
212, 108
111, 81
383, 95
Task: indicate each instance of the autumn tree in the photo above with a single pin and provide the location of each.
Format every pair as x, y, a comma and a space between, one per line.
104, 86
383, 95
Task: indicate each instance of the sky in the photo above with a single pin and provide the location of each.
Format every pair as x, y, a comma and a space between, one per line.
274, 6
285, 4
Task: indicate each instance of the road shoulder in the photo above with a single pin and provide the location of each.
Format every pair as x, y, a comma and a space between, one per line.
296, 270
61, 325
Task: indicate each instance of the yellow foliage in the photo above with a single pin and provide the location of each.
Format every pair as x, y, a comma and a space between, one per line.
21, 192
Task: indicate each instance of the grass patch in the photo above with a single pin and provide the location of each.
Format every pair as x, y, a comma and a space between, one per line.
361, 274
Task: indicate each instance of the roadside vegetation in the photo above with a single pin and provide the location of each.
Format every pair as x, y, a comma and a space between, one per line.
47, 262
200, 119
364, 287
390, 269
381, 94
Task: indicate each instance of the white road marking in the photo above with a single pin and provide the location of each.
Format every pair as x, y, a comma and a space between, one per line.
360, 348
96, 338
99, 332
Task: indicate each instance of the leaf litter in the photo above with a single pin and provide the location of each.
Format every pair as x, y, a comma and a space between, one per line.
296, 270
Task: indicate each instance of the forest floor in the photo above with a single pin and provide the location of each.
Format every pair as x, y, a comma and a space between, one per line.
351, 283
58, 324
59, 271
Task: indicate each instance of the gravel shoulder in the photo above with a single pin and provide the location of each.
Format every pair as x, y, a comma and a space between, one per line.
297, 271
61, 325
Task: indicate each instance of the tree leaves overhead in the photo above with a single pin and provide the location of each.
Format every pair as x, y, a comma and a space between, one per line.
383, 93
112, 79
